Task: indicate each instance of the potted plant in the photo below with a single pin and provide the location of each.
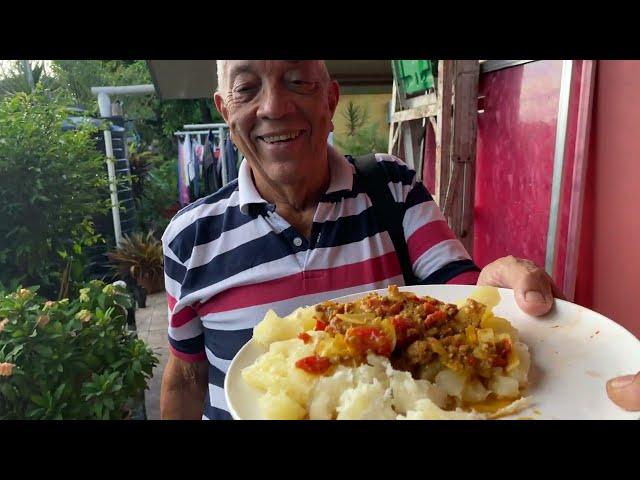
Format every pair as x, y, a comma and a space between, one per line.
141, 257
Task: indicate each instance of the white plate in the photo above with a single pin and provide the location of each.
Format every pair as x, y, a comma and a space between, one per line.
574, 352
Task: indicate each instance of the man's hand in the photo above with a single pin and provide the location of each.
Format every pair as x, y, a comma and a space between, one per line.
533, 288
625, 391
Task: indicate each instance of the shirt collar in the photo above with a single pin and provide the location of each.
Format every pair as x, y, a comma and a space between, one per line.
340, 178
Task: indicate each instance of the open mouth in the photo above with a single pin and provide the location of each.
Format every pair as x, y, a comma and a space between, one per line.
281, 138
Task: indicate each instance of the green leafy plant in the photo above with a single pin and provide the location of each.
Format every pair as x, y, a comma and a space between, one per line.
52, 184
141, 257
70, 359
141, 162
355, 116
15, 78
360, 138
154, 210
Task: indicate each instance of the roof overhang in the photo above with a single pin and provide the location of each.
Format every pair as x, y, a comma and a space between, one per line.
189, 79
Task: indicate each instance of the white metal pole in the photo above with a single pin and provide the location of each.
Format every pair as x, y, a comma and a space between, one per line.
558, 163
124, 90
104, 102
196, 126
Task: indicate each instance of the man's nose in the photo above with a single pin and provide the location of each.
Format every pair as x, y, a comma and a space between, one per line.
275, 102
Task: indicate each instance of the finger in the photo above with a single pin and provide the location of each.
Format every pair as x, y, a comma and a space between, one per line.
533, 291
532, 286
625, 391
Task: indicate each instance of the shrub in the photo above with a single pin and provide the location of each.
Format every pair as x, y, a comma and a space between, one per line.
52, 183
70, 359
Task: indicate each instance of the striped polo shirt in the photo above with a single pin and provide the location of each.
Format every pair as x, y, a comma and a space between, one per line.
230, 257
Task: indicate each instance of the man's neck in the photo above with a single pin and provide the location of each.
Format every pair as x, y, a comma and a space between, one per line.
296, 202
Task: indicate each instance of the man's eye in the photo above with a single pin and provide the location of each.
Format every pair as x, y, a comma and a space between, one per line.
303, 85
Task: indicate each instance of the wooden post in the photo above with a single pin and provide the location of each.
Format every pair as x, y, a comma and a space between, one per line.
463, 149
393, 137
443, 130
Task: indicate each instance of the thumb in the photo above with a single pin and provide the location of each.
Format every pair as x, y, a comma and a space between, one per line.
625, 391
532, 287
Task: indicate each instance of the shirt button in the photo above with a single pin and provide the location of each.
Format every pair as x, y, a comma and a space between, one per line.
297, 241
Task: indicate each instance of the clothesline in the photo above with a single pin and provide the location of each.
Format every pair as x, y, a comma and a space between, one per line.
215, 162
196, 132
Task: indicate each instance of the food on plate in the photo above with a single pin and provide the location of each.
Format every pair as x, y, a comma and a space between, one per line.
393, 356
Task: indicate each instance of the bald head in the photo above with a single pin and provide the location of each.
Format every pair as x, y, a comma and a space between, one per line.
222, 67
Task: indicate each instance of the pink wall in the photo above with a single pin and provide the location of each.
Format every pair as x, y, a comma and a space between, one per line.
609, 272
515, 149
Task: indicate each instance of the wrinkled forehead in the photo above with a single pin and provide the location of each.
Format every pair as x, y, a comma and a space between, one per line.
229, 69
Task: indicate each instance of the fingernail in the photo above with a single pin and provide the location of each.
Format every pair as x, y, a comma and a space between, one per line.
621, 382
534, 296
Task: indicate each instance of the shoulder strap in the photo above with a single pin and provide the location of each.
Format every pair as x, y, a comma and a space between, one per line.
386, 210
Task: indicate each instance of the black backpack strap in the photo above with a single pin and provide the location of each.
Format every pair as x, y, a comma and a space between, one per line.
386, 209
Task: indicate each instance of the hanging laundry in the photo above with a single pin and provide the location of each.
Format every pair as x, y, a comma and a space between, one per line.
223, 162
199, 151
211, 177
231, 160
194, 168
183, 178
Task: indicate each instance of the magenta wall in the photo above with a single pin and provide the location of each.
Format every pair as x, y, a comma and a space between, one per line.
609, 269
516, 141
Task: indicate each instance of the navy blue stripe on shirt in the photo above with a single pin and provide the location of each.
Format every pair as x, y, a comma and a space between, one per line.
449, 271
261, 250
216, 376
174, 270
418, 194
335, 197
207, 229
190, 345
349, 229
213, 413
396, 173
226, 343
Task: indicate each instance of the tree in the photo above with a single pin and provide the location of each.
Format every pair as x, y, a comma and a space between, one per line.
52, 184
361, 138
153, 118
355, 116
23, 76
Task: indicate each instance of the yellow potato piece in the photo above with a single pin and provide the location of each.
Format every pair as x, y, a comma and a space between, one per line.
489, 296
280, 406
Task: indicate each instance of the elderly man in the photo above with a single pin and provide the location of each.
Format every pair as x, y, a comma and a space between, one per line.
296, 228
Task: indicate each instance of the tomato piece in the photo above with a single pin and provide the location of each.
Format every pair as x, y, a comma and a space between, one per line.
305, 337
314, 364
320, 325
369, 339
503, 348
406, 332
435, 318
429, 308
395, 308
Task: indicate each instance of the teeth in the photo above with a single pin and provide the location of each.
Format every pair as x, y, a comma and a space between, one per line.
281, 138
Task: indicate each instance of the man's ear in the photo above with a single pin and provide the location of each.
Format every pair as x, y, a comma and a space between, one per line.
221, 106
333, 96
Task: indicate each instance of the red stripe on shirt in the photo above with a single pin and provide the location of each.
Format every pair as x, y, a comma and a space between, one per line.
171, 302
188, 357
183, 316
427, 236
304, 283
